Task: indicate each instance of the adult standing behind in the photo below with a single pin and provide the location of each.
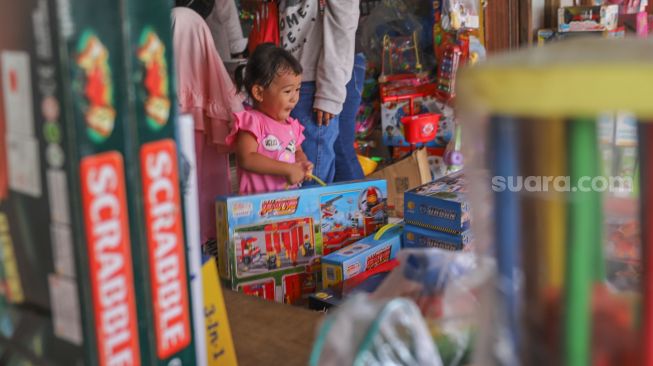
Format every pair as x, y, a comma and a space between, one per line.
204, 90
347, 165
224, 24
321, 35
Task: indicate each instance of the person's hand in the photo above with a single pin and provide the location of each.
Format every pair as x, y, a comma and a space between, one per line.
323, 117
308, 169
295, 174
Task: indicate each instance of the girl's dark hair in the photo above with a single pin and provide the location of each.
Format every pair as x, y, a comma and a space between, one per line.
266, 62
202, 7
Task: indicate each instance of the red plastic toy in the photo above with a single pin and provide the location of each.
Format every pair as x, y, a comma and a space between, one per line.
417, 127
420, 127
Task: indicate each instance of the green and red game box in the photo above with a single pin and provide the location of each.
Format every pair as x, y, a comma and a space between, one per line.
90, 213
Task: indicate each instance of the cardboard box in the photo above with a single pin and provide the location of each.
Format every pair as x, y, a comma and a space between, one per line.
403, 175
364, 255
440, 205
270, 244
417, 237
588, 18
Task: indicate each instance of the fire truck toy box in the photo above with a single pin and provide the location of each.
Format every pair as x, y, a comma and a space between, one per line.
264, 237
364, 255
398, 101
440, 205
417, 237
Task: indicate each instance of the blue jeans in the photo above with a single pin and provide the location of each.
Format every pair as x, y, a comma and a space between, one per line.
319, 142
347, 165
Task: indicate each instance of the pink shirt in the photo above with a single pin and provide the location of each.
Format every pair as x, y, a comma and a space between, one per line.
276, 140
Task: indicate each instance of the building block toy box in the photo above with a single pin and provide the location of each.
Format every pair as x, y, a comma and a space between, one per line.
364, 255
70, 184
417, 237
440, 205
270, 244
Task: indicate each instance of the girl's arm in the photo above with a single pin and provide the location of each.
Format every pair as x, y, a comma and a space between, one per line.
302, 159
249, 159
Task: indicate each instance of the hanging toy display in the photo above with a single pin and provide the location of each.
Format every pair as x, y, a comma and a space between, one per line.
447, 70
401, 56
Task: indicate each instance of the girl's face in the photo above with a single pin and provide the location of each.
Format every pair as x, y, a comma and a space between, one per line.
278, 99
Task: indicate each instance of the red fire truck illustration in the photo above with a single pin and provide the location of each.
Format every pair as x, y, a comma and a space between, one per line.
292, 236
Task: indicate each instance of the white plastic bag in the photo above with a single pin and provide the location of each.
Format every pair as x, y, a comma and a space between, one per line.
364, 332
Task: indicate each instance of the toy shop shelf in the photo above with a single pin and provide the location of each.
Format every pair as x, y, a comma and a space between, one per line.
268, 333
563, 79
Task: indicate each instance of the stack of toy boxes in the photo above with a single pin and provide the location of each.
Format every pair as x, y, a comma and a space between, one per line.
90, 219
270, 244
437, 215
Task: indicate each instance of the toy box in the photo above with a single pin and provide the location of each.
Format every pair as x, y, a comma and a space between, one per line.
399, 100
270, 244
588, 18
332, 297
417, 237
364, 255
440, 205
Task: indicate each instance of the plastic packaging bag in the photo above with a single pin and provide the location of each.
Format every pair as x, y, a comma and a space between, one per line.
367, 332
445, 285
401, 56
391, 18
460, 14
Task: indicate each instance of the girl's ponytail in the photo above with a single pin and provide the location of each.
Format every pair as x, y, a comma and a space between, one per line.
239, 77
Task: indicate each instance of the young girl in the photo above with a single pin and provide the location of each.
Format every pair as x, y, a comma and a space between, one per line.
266, 139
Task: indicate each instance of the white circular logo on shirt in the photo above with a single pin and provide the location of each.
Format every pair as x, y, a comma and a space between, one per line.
271, 143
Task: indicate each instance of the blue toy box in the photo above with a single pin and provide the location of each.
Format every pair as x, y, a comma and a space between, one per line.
360, 257
439, 205
270, 244
417, 237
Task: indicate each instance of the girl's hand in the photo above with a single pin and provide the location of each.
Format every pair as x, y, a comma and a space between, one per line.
295, 174
308, 169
